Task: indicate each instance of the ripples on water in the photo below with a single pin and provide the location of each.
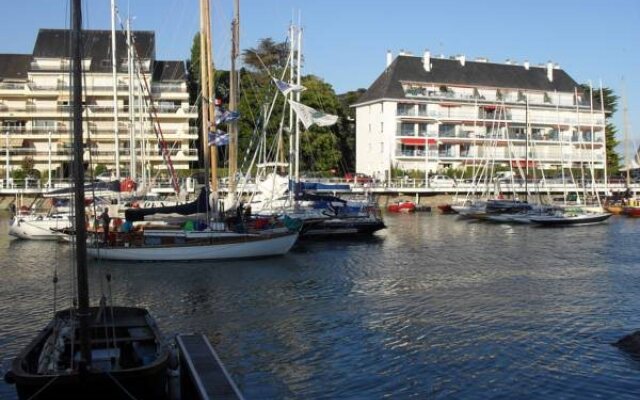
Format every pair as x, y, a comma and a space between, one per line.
432, 307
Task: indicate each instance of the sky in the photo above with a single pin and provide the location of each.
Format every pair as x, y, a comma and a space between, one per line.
345, 41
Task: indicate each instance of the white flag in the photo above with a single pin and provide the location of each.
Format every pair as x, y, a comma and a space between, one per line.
310, 116
286, 88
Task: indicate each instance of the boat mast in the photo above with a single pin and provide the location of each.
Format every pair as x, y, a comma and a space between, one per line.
211, 73
78, 179
204, 74
291, 150
114, 74
526, 148
132, 139
604, 136
298, 82
233, 99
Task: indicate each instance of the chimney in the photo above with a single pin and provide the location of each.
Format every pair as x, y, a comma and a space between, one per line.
389, 58
550, 71
526, 64
426, 61
462, 59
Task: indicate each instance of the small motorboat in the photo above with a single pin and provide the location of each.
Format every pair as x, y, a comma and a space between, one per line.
402, 206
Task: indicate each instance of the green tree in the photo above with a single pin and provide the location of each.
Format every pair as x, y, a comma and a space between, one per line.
347, 129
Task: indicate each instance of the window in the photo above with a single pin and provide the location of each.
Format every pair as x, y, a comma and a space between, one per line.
404, 109
447, 130
407, 129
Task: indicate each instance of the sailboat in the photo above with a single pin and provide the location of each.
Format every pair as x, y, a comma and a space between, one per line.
321, 215
103, 352
216, 240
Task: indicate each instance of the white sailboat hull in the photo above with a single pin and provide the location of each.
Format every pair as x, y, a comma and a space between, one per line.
258, 247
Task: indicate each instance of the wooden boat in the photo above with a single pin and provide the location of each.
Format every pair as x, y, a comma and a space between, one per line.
402, 206
104, 352
183, 246
127, 353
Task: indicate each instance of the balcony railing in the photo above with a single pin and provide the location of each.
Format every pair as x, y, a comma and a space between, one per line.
159, 108
507, 98
44, 131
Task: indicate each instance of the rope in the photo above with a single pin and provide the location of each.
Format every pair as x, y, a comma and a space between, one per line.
120, 386
42, 389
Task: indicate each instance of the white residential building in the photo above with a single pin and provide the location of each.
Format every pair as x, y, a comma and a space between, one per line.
35, 115
468, 112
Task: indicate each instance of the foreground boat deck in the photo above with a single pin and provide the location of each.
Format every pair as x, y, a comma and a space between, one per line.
203, 376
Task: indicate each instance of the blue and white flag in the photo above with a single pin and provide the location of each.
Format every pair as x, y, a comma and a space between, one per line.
310, 116
218, 138
286, 88
225, 116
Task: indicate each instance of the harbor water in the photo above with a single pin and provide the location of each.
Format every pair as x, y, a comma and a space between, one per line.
431, 307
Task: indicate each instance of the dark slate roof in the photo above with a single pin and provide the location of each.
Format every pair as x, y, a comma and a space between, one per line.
14, 66
169, 71
54, 43
473, 73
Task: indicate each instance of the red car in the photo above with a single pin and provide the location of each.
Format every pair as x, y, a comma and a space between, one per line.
357, 178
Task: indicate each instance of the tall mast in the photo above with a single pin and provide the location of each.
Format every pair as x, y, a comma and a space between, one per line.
114, 74
299, 59
211, 73
291, 150
78, 179
604, 134
526, 148
233, 98
203, 85
132, 139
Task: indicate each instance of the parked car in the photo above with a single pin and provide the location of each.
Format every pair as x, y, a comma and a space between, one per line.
441, 181
357, 177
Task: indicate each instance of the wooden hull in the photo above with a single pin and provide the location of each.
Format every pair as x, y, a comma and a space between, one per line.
144, 377
252, 246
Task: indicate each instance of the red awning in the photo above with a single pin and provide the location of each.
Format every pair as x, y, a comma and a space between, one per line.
416, 141
413, 141
523, 163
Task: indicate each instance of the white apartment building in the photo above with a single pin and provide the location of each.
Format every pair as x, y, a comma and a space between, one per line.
35, 114
468, 112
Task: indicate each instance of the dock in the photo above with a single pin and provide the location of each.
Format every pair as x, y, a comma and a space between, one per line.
202, 374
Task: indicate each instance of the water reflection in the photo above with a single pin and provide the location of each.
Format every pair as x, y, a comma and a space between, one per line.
431, 307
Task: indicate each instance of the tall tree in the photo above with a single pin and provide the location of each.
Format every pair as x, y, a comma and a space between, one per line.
347, 130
